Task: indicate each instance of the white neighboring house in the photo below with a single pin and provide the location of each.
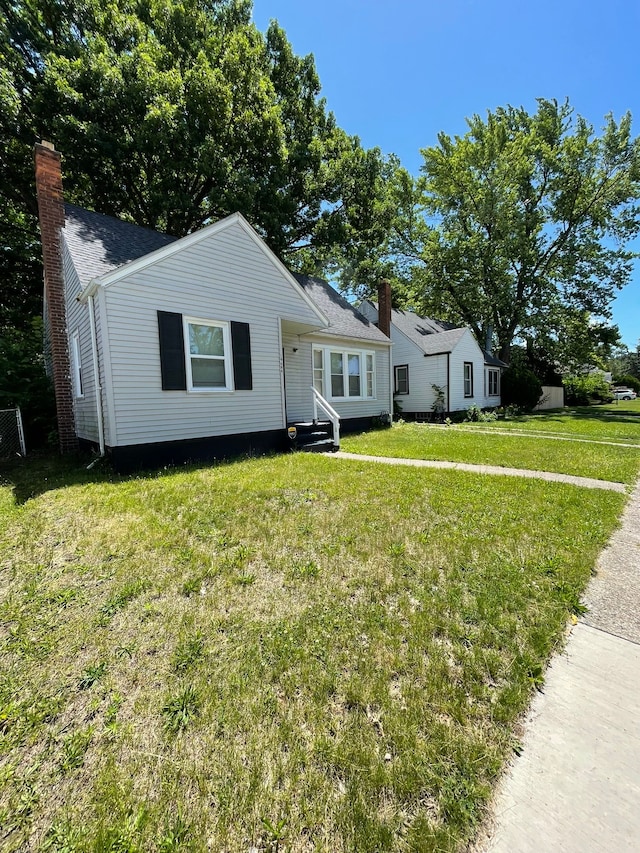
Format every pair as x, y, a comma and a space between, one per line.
429, 352
199, 347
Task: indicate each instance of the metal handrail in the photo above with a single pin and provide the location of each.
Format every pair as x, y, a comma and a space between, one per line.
334, 417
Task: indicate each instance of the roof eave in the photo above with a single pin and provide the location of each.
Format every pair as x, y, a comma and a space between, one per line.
333, 335
192, 239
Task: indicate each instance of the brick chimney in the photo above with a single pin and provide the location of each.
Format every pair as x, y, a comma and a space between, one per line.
51, 214
384, 307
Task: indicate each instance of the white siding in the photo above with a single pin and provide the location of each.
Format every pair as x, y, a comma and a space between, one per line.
493, 400
224, 277
448, 373
467, 349
104, 362
84, 408
299, 377
552, 398
424, 372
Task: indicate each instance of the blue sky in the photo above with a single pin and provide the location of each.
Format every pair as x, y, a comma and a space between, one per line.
397, 74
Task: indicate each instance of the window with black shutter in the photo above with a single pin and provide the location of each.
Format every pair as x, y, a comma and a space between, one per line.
204, 355
172, 364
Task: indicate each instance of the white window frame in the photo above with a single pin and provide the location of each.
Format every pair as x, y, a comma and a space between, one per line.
345, 352
493, 371
469, 380
76, 366
228, 362
397, 370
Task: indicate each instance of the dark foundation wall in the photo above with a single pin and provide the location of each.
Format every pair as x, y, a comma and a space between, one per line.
137, 457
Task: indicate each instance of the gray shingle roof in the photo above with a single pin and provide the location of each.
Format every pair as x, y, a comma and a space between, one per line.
431, 336
493, 360
99, 244
346, 321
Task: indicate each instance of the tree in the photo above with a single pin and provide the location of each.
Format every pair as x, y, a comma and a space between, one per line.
171, 114
522, 224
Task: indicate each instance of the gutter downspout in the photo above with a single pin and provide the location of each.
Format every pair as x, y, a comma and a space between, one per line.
448, 384
392, 382
96, 374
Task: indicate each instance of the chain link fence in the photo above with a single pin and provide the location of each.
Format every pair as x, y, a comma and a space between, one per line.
11, 434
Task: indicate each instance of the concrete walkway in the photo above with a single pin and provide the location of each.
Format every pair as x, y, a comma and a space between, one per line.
576, 786
550, 436
585, 482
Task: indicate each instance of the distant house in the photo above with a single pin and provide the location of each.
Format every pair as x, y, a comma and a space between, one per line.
169, 349
428, 353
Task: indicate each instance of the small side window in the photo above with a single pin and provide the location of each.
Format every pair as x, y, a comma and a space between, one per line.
468, 379
402, 378
76, 365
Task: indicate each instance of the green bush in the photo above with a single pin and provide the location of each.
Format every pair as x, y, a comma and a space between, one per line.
23, 381
585, 390
475, 413
520, 387
627, 381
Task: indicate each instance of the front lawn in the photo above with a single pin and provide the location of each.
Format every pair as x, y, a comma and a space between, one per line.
283, 654
618, 422
470, 443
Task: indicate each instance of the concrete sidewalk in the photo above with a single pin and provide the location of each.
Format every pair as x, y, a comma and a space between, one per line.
576, 786
496, 470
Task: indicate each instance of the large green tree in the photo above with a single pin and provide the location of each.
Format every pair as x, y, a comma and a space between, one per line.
522, 226
173, 113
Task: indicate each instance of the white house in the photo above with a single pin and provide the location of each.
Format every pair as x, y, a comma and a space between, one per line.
428, 353
171, 349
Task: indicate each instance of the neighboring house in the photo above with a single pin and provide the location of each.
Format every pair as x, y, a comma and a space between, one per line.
429, 352
169, 349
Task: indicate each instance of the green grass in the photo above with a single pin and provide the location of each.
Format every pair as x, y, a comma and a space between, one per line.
618, 422
466, 443
361, 693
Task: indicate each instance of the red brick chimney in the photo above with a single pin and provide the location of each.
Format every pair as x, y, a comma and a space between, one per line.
384, 307
51, 214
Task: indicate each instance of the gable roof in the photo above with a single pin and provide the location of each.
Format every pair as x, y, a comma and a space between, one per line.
105, 249
431, 336
345, 320
493, 360
99, 244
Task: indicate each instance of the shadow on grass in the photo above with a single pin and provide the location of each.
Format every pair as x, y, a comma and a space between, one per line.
605, 415
44, 472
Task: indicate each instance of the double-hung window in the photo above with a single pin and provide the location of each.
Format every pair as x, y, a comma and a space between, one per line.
76, 365
318, 371
208, 351
493, 382
402, 379
344, 374
468, 379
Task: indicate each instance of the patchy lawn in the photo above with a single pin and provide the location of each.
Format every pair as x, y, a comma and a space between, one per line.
474, 444
619, 422
280, 654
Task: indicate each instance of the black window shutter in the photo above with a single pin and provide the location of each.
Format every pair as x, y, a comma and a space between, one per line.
174, 377
241, 345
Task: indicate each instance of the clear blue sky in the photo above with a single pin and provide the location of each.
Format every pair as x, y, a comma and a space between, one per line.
397, 74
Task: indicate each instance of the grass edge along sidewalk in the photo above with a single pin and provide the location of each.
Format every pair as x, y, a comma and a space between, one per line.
619, 464
282, 653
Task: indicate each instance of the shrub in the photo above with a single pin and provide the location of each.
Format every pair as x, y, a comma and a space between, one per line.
475, 413
23, 382
584, 390
627, 381
520, 387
